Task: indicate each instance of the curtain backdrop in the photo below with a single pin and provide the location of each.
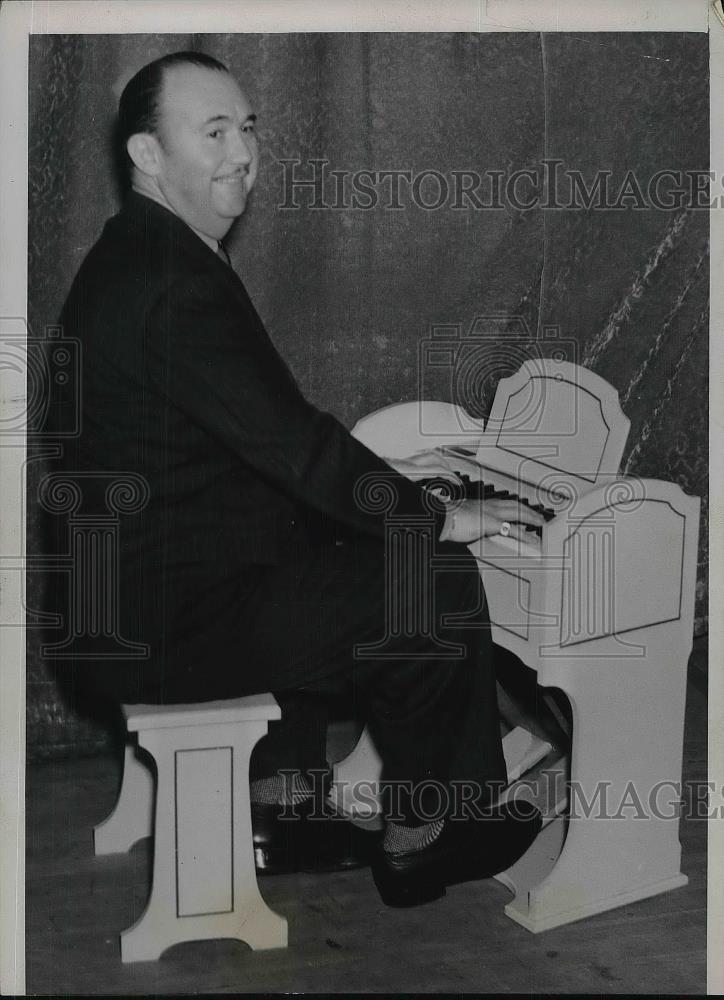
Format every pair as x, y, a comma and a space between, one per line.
351, 294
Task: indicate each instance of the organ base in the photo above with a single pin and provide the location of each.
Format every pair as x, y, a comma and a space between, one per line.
546, 897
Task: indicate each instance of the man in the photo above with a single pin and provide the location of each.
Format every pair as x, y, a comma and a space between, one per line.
254, 566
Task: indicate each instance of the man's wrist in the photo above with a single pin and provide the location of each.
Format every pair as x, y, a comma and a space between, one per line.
448, 528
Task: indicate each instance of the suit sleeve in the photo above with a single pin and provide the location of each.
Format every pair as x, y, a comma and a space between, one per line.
218, 366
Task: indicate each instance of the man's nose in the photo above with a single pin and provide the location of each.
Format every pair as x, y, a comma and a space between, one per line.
240, 151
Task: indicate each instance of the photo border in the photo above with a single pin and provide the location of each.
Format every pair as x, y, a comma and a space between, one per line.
22, 18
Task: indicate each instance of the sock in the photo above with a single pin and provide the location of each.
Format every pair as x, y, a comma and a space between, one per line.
280, 789
400, 839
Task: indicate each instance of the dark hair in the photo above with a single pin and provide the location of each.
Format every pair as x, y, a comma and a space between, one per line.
138, 108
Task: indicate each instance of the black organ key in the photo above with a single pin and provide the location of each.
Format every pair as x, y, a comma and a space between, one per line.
547, 512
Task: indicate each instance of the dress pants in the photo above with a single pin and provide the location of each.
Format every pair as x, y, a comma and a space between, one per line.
406, 638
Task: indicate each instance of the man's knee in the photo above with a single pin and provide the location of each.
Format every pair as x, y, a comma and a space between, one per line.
459, 587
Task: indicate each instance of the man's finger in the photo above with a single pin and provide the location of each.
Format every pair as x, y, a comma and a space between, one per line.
529, 517
511, 510
429, 458
430, 472
525, 536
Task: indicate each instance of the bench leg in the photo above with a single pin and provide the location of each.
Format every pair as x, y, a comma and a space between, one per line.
132, 817
204, 880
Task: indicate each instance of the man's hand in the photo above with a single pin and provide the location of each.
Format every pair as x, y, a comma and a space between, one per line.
425, 465
434, 464
470, 520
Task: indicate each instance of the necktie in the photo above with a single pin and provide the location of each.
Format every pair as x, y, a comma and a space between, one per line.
223, 253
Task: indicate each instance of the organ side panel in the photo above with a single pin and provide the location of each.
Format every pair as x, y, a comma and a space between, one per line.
623, 570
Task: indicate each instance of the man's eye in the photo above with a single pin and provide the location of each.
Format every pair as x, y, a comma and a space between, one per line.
249, 127
214, 133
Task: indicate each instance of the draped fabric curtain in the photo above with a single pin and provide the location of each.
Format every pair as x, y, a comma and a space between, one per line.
353, 285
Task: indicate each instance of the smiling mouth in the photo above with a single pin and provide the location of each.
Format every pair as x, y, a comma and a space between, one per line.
231, 178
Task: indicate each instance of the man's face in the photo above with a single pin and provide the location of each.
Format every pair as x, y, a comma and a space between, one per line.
208, 150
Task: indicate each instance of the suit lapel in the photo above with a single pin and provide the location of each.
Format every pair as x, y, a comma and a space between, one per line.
186, 252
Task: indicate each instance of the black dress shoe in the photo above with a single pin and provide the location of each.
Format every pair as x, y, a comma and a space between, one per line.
275, 830
334, 844
465, 850
297, 838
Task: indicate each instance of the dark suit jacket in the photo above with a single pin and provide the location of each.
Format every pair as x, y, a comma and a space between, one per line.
181, 384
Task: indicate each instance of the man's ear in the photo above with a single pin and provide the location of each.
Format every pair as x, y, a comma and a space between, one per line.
143, 148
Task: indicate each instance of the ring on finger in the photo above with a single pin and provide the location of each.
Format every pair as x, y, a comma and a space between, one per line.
505, 529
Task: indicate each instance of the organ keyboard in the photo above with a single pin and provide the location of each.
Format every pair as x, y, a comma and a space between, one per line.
599, 602
480, 490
